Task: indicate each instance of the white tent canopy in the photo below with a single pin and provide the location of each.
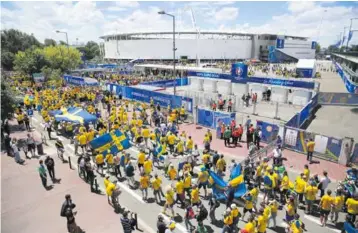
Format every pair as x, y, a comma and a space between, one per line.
306, 64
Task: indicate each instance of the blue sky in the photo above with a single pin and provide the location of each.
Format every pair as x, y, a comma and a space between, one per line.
90, 20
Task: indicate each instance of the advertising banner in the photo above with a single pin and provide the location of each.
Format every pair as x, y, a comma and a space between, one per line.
280, 43
269, 131
351, 88
239, 70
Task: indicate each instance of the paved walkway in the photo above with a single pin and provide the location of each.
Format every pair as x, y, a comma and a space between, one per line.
28, 208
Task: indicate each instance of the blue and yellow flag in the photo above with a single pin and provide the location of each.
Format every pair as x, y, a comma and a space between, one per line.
76, 115
114, 141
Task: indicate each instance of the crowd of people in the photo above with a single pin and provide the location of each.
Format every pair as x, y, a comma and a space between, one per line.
156, 132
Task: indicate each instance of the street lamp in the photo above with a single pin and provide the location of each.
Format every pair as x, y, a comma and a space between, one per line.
164, 13
350, 30
68, 48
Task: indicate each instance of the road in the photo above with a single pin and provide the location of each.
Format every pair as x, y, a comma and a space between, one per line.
27, 207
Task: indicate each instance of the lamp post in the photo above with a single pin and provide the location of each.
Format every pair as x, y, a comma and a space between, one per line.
350, 30
164, 13
68, 48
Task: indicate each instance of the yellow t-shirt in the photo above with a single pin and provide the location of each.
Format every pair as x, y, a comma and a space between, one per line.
187, 182
141, 158
179, 186
326, 202
145, 133
147, 166
99, 159
285, 183
311, 192
235, 212
250, 227
248, 204
171, 139
106, 182
180, 147
261, 224
190, 144
338, 202
306, 172
290, 210
300, 185
109, 158
144, 182
169, 197
352, 206
172, 173
110, 188
310, 146
156, 183
195, 195
82, 139
274, 207
228, 220
205, 158
203, 177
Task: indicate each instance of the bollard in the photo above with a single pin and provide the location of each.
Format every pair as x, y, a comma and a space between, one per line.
69, 162
96, 184
136, 221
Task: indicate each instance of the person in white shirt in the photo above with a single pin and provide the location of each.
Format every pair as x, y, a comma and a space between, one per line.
195, 152
323, 184
277, 155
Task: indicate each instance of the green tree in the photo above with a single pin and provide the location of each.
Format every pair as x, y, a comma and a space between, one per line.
62, 42
7, 60
50, 42
90, 50
318, 48
62, 57
29, 62
13, 41
7, 101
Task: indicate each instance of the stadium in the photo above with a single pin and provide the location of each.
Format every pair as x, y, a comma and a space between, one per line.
208, 46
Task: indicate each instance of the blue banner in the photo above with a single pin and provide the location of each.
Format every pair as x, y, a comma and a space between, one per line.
168, 83
239, 70
209, 75
304, 114
313, 45
280, 43
304, 73
206, 118
280, 82
78, 81
269, 131
351, 88
293, 122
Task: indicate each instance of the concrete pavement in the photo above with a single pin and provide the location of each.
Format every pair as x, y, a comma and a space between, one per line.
99, 215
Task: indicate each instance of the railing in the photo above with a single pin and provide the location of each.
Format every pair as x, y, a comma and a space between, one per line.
262, 153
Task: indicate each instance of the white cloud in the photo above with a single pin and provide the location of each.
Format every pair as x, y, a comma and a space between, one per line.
227, 14
223, 3
128, 4
116, 9
300, 6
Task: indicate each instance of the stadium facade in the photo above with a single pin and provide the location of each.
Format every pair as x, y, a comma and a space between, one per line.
209, 46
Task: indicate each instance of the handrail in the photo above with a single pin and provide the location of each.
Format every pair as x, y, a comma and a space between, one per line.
257, 156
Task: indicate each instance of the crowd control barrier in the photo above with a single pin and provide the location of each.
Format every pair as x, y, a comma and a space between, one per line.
145, 96
341, 99
213, 119
169, 83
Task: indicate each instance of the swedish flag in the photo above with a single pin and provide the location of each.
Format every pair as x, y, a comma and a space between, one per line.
114, 141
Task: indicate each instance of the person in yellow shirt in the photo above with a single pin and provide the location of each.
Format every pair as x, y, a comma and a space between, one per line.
169, 201
106, 182
148, 166
179, 149
171, 142
306, 172
261, 222
179, 188
221, 165
337, 206
109, 190
254, 191
228, 221
172, 172
157, 188
189, 145
143, 184
285, 184
248, 204
352, 207
206, 159
235, 216
195, 199
325, 205
300, 187
110, 160
83, 142
187, 167
310, 196
100, 162
145, 134
273, 205
141, 159
310, 148
290, 209
187, 183
250, 225
203, 177
258, 174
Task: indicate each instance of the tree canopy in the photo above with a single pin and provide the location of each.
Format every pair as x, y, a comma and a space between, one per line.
90, 50
13, 41
50, 42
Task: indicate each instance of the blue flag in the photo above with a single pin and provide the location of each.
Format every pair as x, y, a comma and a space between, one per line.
350, 35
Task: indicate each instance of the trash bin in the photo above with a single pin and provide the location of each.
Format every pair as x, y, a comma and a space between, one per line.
40, 149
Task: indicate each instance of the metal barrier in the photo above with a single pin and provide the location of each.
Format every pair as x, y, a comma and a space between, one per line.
262, 153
